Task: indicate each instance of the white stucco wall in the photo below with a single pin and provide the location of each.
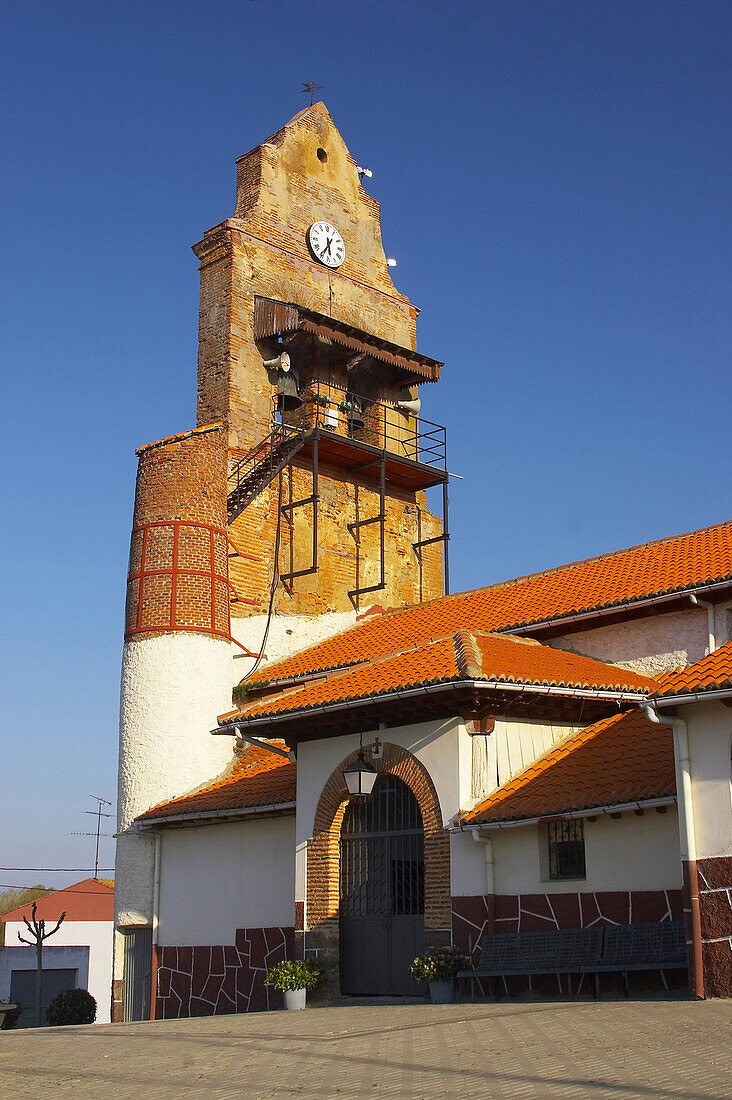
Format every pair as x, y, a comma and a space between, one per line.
440, 746
288, 634
218, 878
650, 645
97, 935
173, 688
710, 753
628, 853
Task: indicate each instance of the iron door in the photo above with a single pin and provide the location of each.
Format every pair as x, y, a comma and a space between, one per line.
137, 974
382, 891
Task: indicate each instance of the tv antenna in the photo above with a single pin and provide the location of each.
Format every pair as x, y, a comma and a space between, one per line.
310, 88
98, 814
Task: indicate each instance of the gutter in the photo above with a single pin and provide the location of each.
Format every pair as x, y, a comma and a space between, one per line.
232, 727
593, 811
692, 697
218, 815
602, 612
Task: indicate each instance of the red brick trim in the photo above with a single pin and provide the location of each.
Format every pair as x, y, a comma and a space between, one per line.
323, 854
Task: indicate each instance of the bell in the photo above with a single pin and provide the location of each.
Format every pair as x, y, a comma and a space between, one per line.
354, 413
288, 398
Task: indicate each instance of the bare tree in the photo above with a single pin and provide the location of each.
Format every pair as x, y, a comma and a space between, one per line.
37, 929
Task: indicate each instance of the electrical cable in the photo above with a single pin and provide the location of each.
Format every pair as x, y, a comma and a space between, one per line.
55, 868
274, 586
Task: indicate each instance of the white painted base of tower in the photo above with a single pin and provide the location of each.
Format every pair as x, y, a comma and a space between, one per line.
173, 688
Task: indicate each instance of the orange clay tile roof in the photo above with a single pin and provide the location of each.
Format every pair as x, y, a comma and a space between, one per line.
462, 656
613, 762
258, 778
712, 673
641, 572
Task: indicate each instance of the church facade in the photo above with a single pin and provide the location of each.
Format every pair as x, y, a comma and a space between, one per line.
538, 762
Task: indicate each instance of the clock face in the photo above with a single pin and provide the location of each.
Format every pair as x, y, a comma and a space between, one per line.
326, 244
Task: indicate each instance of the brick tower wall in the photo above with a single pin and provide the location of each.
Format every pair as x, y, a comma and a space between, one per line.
178, 572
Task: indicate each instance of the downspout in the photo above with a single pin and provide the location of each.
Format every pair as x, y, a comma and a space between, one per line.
490, 877
688, 839
155, 925
711, 631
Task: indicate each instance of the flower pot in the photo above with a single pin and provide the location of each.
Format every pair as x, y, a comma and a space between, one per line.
442, 993
294, 999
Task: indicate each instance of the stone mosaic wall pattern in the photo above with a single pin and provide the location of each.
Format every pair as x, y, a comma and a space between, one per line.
715, 905
473, 917
206, 981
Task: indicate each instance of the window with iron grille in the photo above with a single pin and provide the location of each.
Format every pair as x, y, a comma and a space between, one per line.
566, 843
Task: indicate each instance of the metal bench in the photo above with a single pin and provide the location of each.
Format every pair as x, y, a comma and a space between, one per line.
616, 949
651, 946
561, 951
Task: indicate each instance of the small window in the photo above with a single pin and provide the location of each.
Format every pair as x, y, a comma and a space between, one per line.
566, 849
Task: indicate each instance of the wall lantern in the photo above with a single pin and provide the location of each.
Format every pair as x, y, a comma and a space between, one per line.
360, 776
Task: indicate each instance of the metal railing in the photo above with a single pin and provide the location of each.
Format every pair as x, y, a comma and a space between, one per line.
264, 459
385, 426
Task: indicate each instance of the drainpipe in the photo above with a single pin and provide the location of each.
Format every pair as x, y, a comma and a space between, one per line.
490, 861
712, 641
490, 877
155, 926
156, 890
686, 829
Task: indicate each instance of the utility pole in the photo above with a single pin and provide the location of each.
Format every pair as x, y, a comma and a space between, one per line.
37, 929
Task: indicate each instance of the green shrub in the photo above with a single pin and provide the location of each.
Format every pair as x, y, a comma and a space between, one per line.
72, 1006
295, 974
439, 965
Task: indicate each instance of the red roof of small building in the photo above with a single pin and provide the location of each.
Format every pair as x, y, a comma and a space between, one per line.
258, 778
492, 658
90, 899
653, 569
711, 673
619, 760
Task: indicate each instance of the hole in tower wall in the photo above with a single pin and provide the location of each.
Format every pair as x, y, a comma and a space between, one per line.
322, 156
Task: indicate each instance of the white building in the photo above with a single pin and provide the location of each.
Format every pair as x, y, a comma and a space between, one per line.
89, 924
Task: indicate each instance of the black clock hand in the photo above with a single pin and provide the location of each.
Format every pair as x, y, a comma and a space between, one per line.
328, 242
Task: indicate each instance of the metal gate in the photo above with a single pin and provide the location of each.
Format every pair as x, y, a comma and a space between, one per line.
382, 890
138, 974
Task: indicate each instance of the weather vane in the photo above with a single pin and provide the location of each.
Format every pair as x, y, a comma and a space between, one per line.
310, 89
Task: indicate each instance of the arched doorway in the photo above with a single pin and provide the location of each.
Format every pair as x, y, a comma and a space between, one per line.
381, 890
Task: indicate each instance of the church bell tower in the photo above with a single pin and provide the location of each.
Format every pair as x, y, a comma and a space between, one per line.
307, 354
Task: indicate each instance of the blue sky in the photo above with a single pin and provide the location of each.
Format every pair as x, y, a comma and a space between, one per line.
554, 178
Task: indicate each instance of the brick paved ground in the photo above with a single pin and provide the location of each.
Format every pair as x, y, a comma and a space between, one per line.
553, 1049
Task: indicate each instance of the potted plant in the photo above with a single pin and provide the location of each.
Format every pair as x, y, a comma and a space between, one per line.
438, 968
295, 977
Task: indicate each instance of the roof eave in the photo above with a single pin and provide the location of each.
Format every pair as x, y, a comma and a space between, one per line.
591, 811
604, 610
399, 695
213, 816
702, 696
